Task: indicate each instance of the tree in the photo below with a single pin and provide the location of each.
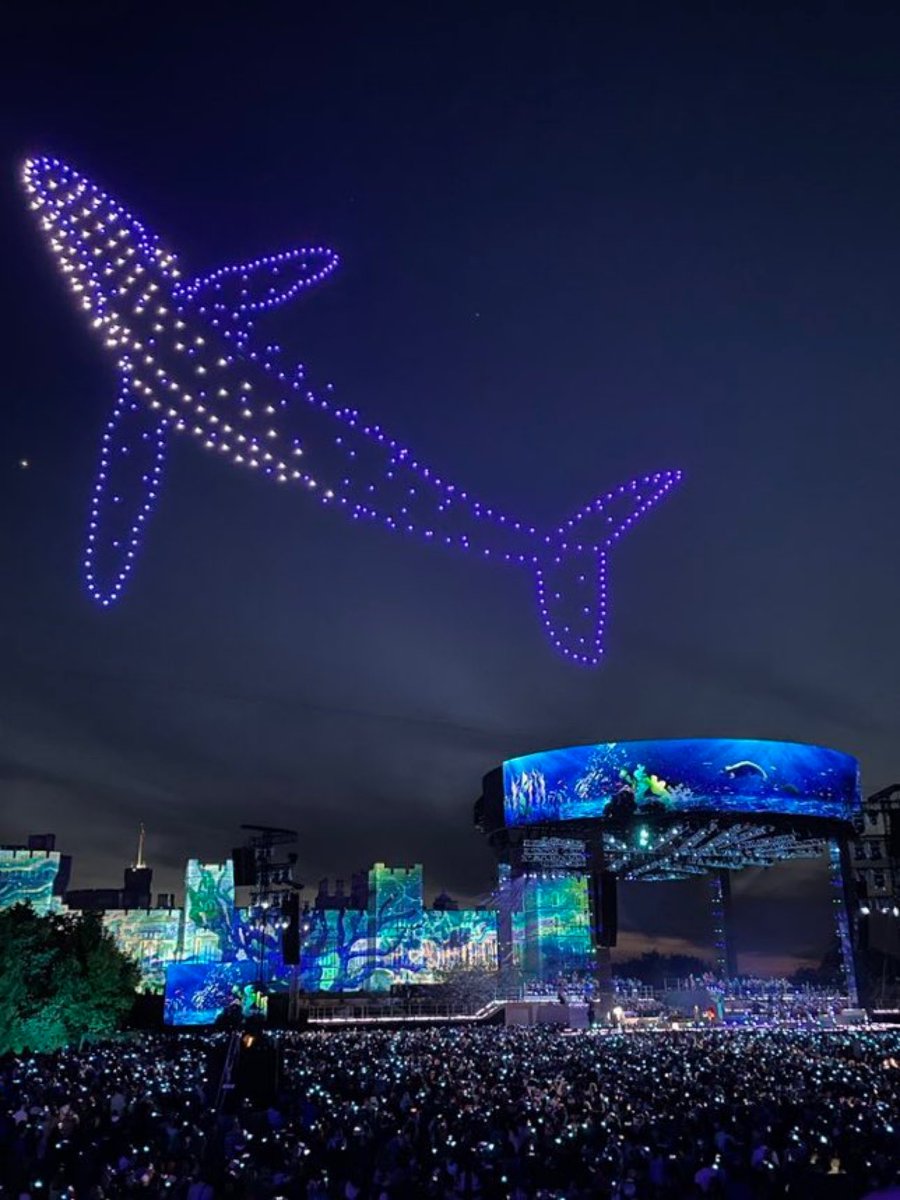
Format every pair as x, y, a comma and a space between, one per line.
654, 968
62, 976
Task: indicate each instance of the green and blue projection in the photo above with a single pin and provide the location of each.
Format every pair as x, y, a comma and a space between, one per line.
617, 780
551, 925
29, 877
152, 937
206, 955
394, 940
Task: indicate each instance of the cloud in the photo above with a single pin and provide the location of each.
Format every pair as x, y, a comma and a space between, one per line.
757, 962
750, 962
632, 944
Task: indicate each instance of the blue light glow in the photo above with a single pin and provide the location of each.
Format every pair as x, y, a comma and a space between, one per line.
617, 780
395, 939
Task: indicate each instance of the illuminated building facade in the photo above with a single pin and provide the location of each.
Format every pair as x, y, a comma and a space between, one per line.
566, 827
35, 874
212, 952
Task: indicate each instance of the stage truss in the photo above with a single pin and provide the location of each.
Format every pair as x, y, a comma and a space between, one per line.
682, 852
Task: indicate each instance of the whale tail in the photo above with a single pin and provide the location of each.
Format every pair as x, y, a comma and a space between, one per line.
571, 572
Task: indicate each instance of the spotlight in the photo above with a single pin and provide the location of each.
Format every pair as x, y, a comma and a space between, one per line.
864, 910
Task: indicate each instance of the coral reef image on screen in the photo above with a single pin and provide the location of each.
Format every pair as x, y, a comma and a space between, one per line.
28, 878
617, 779
393, 940
198, 993
465, 938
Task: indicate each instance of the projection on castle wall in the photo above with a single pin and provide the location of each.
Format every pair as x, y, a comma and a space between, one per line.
551, 925
209, 915
394, 940
150, 937
458, 939
27, 877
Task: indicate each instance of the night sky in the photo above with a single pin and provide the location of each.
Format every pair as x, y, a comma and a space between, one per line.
576, 248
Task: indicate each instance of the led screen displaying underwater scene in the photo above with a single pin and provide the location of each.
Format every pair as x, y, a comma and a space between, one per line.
198, 993
619, 779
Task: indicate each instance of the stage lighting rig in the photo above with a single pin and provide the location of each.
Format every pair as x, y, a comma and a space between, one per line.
272, 887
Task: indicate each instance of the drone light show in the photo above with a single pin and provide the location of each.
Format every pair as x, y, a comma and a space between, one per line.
189, 361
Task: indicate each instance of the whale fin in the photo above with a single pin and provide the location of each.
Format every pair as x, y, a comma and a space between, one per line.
232, 297
129, 474
571, 572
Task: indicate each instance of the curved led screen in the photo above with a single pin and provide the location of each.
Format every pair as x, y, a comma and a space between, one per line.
619, 779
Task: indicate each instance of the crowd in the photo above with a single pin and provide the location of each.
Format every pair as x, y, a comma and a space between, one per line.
444, 1113
745, 998
580, 985
752, 988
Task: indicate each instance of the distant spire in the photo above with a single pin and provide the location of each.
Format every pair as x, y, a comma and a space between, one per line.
140, 854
